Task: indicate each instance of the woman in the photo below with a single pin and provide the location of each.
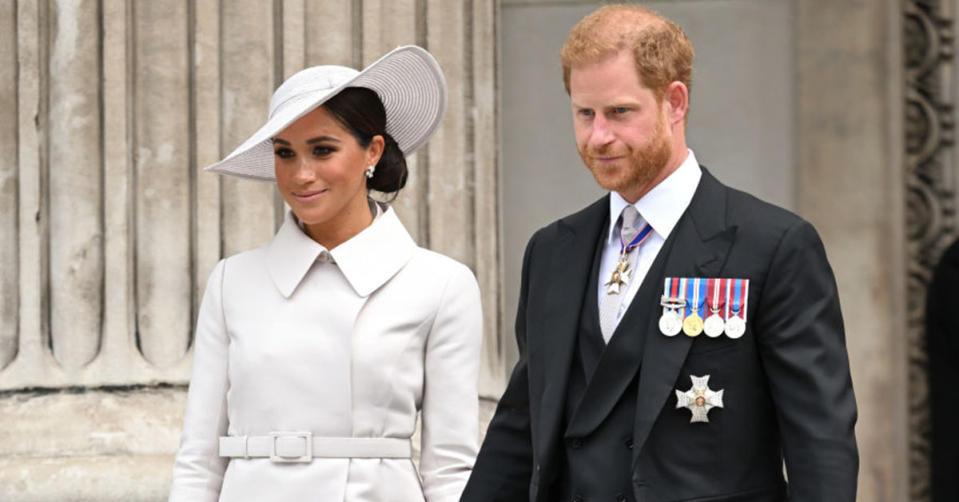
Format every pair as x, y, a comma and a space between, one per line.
314, 354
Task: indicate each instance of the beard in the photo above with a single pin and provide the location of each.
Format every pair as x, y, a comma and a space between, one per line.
637, 169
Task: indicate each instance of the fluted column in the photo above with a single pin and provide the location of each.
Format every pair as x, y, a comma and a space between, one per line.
163, 174
9, 168
74, 182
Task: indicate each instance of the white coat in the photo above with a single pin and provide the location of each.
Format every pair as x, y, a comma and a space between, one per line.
351, 342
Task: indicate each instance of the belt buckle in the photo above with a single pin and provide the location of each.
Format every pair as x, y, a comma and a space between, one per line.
307, 438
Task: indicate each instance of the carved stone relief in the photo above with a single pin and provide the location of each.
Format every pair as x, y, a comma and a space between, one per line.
930, 183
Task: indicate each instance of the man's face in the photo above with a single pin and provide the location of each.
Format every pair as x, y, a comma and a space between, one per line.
621, 131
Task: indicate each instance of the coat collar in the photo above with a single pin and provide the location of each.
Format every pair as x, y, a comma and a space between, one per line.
664, 204
367, 260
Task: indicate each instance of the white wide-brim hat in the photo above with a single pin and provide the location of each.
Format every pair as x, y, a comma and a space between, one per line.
407, 80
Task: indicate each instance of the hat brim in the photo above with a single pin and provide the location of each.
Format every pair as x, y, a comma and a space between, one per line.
408, 81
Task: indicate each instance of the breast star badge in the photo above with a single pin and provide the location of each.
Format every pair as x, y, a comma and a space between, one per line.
699, 399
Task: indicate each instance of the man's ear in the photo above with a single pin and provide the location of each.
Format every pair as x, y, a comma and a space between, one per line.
677, 98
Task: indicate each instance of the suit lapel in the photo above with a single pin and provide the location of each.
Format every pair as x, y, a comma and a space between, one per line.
697, 247
622, 356
560, 306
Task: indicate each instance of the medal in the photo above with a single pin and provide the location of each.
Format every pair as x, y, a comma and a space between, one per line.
693, 324
702, 305
620, 276
699, 399
735, 327
714, 325
736, 317
671, 322
622, 271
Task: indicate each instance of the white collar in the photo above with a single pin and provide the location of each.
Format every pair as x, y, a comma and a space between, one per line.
662, 206
367, 260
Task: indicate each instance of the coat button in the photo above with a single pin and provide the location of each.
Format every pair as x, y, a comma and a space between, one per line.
576, 443
578, 498
629, 443
620, 497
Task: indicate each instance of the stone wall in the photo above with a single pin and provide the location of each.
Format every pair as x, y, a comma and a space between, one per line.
849, 85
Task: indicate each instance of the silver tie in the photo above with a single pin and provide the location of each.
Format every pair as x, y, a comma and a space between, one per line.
609, 307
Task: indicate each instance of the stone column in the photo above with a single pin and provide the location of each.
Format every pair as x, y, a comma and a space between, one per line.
9, 169
850, 172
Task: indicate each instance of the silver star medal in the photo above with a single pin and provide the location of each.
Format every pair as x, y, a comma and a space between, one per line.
699, 399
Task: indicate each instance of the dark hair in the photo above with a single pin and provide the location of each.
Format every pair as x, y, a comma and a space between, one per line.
362, 113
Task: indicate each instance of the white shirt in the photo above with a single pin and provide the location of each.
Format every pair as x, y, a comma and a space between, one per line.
661, 207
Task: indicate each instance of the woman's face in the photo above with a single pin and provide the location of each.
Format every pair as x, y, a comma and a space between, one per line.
321, 173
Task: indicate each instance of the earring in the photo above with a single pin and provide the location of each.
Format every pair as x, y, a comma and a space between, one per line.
370, 170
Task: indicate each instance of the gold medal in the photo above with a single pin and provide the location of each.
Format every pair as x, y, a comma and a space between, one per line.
693, 325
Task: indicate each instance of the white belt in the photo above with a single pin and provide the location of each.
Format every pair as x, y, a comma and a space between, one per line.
304, 447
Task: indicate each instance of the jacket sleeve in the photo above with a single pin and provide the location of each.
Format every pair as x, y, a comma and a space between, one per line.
504, 467
198, 468
450, 412
942, 345
803, 350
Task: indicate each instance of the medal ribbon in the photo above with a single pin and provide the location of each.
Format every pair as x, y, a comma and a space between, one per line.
729, 283
744, 293
701, 293
737, 299
668, 293
692, 291
683, 291
714, 285
637, 240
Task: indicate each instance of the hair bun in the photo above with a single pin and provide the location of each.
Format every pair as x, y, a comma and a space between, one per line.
391, 172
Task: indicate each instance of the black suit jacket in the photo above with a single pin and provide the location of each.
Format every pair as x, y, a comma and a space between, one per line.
942, 345
788, 391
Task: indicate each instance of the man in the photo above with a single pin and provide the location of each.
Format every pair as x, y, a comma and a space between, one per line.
942, 344
609, 401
